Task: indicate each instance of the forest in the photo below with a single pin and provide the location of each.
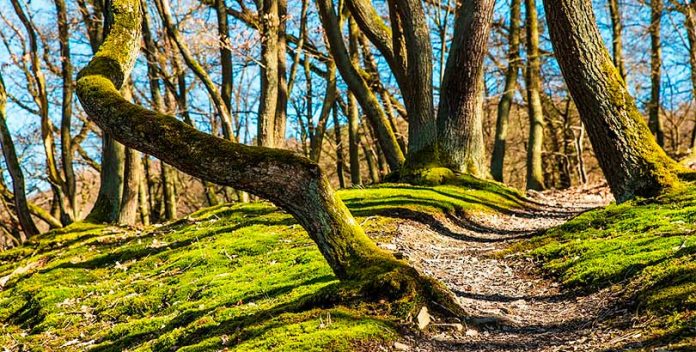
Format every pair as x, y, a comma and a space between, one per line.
348, 175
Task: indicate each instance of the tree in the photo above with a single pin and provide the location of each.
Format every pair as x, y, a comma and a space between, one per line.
407, 49
617, 36
37, 81
8, 150
632, 162
358, 86
535, 172
292, 182
506, 99
460, 116
654, 120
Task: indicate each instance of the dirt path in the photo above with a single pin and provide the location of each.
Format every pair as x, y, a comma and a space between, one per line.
543, 316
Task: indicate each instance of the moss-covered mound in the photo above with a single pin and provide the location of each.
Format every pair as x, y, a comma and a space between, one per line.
645, 249
244, 277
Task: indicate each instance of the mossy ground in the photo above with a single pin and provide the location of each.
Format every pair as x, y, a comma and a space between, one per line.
645, 249
244, 277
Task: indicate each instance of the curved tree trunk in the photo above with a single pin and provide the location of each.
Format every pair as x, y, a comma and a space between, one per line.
501, 126
631, 160
460, 116
535, 171
16, 173
292, 182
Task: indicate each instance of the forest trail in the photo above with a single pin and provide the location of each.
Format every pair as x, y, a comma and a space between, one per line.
542, 315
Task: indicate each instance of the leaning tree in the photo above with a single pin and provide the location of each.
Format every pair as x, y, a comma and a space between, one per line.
632, 161
292, 182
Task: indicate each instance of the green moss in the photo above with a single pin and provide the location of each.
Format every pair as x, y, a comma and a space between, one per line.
186, 284
647, 246
244, 277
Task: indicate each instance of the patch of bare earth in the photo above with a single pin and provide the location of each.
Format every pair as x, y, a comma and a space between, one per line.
536, 312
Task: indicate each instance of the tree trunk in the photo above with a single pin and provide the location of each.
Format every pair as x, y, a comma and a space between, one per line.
280, 120
133, 175
354, 140
617, 36
535, 171
169, 196
339, 148
633, 163
226, 72
107, 206
268, 103
66, 111
8, 150
506, 100
144, 194
407, 49
460, 115
654, 121
356, 83
410, 35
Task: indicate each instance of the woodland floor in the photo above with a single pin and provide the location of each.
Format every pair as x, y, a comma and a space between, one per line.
238, 277
538, 313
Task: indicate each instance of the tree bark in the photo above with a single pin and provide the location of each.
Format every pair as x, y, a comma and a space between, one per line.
501, 126
226, 72
281, 115
535, 171
268, 103
108, 204
631, 160
8, 150
460, 115
654, 120
133, 174
169, 196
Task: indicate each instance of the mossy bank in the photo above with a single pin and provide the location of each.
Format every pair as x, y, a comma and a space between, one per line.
244, 277
644, 250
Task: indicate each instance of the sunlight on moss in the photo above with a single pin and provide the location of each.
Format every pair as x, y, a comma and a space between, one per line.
648, 247
229, 276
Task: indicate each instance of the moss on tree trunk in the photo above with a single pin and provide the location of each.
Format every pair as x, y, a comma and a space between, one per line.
632, 162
